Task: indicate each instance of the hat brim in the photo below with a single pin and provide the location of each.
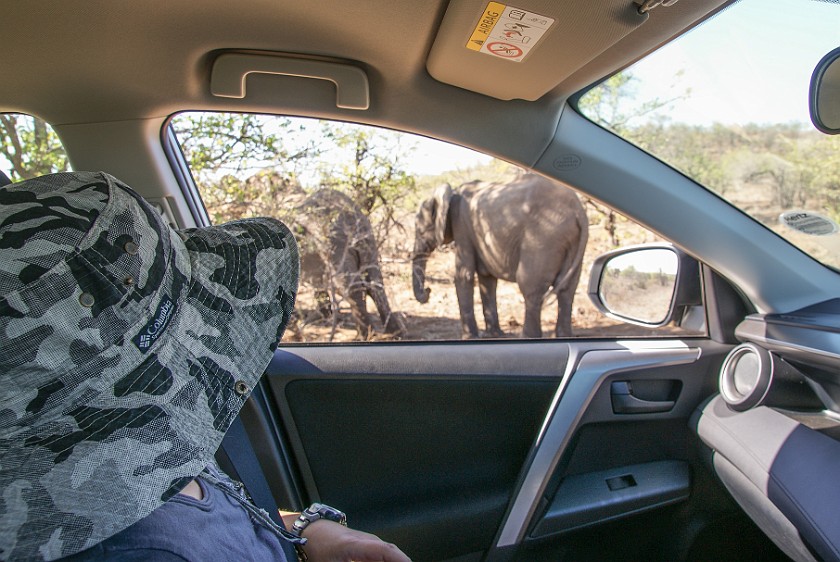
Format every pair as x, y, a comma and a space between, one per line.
142, 422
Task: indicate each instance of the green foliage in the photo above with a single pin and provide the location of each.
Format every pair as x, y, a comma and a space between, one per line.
237, 144
266, 193
244, 165
373, 174
699, 152
613, 105
30, 147
253, 165
763, 169
369, 165
826, 182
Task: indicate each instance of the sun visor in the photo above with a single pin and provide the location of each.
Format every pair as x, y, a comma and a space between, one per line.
523, 50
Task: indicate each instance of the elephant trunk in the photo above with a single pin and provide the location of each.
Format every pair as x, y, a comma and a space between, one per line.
418, 277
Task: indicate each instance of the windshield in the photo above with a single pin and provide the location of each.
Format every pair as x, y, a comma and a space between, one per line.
727, 105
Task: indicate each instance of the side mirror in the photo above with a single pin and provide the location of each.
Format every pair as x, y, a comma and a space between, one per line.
649, 285
824, 102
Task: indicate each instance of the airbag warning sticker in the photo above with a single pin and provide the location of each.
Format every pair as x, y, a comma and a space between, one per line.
508, 33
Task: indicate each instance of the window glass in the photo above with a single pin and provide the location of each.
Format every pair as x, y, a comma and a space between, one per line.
727, 105
351, 194
29, 147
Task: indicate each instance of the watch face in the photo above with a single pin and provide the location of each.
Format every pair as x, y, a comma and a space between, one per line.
313, 509
315, 512
330, 513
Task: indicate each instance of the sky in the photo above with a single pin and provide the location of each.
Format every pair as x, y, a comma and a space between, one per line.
750, 64
434, 157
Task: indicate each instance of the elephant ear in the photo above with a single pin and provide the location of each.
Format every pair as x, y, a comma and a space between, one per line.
443, 195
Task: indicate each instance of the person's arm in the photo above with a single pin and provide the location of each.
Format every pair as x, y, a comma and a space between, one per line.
289, 517
328, 541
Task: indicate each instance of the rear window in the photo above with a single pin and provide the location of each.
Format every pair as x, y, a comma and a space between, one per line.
29, 147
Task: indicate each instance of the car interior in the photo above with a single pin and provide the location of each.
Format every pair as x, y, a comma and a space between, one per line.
719, 442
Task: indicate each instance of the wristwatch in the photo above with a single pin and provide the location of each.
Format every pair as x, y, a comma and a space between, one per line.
311, 514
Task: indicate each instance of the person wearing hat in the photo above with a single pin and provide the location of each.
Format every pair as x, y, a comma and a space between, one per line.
127, 348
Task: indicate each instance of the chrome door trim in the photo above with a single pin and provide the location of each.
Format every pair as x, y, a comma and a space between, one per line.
585, 371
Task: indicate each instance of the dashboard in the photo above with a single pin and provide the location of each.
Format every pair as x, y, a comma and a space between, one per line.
773, 431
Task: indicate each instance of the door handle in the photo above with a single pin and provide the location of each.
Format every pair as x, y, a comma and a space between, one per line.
623, 401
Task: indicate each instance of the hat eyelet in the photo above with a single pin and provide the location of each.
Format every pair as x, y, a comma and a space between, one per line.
86, 300
128, 281
241, 388
131, 248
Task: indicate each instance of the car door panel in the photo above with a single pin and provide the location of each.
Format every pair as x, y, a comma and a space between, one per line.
414, 440
438, 446
418, 439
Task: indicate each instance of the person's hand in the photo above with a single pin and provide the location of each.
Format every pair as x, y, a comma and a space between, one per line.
330, 542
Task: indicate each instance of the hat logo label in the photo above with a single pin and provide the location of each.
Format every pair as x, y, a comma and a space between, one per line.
156, 326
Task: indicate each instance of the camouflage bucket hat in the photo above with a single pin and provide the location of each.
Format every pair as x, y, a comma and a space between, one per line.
126, 350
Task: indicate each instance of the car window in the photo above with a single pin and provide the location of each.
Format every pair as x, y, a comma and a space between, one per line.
341, 185
29, 147
727, 105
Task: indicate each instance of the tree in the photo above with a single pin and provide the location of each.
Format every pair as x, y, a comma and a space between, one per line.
266, 193
245, 165
613, 105
30, 146
825, 156
368, 164
249, 165
698, 151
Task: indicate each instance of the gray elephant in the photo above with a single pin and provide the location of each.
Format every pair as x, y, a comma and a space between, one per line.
532, 231
338, 251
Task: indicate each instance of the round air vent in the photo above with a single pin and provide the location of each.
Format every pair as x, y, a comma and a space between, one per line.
752, 376
746, 376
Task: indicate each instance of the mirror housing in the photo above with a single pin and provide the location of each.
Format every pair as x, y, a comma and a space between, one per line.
824, 97
648, 285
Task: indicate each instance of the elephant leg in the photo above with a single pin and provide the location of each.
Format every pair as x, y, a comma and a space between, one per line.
376, 289
565, 299
533, 310
357, 297
323, 302
534, 284
487, 289
465, 288
293, 329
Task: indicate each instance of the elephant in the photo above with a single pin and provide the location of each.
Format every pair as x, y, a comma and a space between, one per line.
338, 250
531, 230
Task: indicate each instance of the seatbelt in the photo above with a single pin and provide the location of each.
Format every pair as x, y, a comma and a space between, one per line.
237, 457
4, 179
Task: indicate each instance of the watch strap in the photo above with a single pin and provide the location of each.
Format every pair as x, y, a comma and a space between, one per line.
311, 514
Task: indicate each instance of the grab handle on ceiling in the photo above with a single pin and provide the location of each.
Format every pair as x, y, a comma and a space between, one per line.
231, 70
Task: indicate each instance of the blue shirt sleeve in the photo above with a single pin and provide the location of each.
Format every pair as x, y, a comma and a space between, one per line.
100, 553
